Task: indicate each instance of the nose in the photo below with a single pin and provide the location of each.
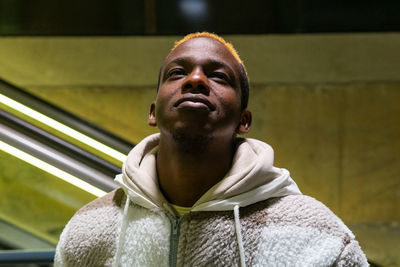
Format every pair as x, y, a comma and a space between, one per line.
196, 82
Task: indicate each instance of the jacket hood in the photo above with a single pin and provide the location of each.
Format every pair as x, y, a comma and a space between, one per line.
252, 178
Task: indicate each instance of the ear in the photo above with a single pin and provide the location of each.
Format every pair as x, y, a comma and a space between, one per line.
245, 122
152, 115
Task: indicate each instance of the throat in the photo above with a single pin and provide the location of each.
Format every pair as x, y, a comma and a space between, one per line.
186, 174
192, 143
186, 188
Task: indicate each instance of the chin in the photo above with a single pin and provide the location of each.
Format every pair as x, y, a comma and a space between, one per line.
194, 126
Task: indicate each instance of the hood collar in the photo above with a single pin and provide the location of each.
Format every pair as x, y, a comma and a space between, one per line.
252, 178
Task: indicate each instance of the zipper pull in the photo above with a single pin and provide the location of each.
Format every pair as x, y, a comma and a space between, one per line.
175, 226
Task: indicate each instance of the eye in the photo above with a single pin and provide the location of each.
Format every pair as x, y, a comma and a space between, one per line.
220, 77
175, 72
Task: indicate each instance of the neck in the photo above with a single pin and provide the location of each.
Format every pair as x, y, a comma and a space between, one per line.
185, 174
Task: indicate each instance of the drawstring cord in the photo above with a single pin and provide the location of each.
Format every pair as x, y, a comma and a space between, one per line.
122, 232
125, 223
239, 236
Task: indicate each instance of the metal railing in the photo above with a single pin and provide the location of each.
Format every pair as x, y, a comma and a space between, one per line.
65, 117
27, 256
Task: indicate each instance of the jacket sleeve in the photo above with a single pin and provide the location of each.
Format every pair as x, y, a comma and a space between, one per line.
59, 259
352, 256
89, 238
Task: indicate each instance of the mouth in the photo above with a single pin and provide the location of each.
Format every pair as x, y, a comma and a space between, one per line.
195, 102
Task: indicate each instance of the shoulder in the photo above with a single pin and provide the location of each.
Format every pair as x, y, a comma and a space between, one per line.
97, 214
306, 230
305, 211
298, 228
112, 200
91, 232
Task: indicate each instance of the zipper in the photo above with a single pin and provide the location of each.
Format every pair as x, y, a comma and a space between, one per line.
174, 240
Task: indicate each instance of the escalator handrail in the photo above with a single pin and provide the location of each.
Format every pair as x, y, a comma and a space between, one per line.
26, 256
65, 117
59, 144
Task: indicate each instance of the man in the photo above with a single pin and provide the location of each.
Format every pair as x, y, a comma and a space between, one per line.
197, 195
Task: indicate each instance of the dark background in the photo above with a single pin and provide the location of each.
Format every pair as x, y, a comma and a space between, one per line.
178, 17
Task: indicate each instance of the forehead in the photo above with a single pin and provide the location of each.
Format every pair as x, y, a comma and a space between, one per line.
203, 49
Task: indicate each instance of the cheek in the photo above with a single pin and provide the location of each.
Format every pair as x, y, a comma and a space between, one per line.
166, 92
163, 99
230, 102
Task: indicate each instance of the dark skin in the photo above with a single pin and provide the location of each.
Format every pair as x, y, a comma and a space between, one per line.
197, 111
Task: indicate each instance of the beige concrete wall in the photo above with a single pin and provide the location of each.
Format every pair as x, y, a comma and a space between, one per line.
340, 141
328, 104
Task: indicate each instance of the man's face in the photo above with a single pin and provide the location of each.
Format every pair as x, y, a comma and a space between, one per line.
199, 91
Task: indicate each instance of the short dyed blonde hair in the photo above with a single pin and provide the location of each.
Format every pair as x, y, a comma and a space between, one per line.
229, 46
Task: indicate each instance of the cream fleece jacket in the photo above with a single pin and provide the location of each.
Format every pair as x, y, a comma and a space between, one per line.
254, 216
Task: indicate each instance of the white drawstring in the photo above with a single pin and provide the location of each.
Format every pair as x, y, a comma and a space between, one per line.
121, 240
124, 224
239, 236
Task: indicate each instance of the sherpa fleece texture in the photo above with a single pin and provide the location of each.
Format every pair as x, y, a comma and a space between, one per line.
293, 230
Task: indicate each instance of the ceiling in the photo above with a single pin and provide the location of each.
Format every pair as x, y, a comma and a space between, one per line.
177, 17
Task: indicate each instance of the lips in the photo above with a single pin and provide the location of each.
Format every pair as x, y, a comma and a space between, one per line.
195, 99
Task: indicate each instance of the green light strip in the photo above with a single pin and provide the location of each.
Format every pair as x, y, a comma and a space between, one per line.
51, 169
62, 128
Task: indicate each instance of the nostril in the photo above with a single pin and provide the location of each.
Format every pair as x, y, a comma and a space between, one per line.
187, 86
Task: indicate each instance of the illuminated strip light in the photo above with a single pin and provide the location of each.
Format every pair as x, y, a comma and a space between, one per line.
62, 128
51, 169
